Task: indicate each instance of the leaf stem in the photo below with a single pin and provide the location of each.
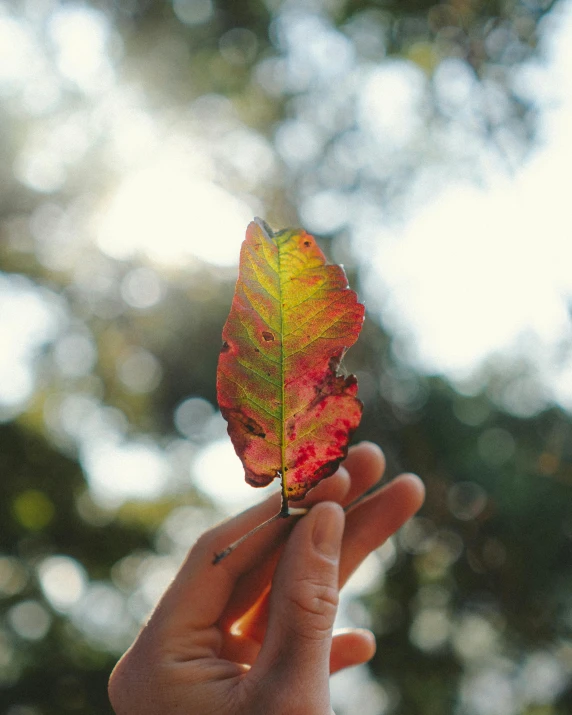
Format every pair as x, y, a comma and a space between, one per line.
286, 512
280, 515
365, 496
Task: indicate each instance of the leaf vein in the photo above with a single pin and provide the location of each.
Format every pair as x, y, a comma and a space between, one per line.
248, 398
255, 309
259, 374
272, 297
308, 297
337, 299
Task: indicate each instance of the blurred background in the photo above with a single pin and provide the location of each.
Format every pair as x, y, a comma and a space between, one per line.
428, 147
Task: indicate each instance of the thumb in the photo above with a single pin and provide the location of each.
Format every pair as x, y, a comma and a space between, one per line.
303, 604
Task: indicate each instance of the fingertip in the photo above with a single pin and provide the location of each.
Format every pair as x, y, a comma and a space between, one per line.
368, 640
327, 528
415, 488
371, 448
362, 636
325, 510
337, 486
368, 444
366, 465
343, 473
350, 647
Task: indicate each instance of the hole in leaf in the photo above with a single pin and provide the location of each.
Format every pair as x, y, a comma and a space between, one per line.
267, 336
307, 244
225, 347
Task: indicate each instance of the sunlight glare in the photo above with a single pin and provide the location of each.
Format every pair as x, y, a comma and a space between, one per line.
483, 271
474, 271
172, 216
217, 472
119, 472
19, 57
391, 103
81, 37
26, 325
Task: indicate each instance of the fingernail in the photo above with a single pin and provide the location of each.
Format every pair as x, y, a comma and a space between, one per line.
328, 529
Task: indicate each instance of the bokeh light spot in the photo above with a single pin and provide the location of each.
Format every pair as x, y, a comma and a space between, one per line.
193, 12
466, 500
33, 509
139, 370
390, 106
63, 581
27, 323
141, 288
474, 637
29, 619
417, 535
19, 57
430, 629
130, 470
80, 35
101, 614
192, 417
75, 354
13, 576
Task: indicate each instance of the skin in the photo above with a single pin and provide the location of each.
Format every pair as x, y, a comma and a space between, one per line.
222, 642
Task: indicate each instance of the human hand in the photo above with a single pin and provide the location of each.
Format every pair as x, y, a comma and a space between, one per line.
222, 642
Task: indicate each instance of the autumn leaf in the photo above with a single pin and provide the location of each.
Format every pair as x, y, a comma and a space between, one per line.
290, 414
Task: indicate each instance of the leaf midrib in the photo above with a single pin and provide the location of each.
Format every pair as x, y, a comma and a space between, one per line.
282, 380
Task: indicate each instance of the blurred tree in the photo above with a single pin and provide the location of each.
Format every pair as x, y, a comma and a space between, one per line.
135, 137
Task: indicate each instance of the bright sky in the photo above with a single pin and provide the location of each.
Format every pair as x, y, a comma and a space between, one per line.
170, 214
478, 271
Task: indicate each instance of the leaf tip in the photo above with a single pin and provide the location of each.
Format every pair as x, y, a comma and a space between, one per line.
261, 223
